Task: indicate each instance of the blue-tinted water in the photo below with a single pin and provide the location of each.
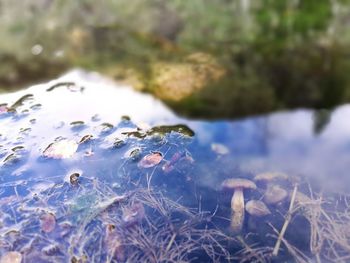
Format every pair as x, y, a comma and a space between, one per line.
91, 172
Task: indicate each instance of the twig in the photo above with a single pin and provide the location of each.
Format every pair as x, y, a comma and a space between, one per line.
286, 222
170, 242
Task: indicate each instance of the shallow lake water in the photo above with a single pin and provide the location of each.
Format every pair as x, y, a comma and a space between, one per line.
95, 172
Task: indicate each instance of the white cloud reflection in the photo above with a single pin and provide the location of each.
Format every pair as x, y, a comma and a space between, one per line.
283, 141
286, 142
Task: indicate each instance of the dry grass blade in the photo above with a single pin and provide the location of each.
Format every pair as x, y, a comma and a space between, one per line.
286, 222
253, 253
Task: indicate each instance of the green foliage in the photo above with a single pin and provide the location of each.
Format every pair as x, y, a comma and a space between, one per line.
296, 50
292, 19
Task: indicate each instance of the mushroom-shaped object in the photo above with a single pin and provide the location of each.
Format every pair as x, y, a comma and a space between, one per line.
237, 201
257, 208
270, 177
301, 199
274, 194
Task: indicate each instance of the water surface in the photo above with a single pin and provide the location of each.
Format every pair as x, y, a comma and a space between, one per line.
126, 166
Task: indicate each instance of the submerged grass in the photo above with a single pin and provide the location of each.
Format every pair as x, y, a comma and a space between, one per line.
144, 225
167, 232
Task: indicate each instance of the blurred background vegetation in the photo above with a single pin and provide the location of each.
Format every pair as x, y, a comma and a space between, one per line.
205, 58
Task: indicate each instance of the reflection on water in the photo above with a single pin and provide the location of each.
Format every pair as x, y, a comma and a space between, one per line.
86, 163
287, 142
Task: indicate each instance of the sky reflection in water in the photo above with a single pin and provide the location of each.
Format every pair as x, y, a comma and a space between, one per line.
285, 142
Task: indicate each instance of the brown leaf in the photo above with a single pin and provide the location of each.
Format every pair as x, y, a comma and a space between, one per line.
11, 257
61, 149
150, 160
47, 222
3, 109
134, 214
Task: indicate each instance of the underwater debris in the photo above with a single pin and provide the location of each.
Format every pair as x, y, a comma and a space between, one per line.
150, 160
25, 131
133, 154
77, 125
18, 148
3, 109
61, 84
160, 131
11, 159
164, 237
36, 106
11, 257
180, 128
286, 223
95, 118
47, 222
125, 118
51, 250
105, 127
117, 143
85, 138
133, 215
74, 178
21, 101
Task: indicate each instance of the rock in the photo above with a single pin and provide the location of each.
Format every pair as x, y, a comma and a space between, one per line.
176, 81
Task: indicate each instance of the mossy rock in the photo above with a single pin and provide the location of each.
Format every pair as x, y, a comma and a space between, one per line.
176, 81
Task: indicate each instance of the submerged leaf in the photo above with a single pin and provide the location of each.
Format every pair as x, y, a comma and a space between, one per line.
150, 160
47, 222
11, 257
134, 214
61, 149
3, 109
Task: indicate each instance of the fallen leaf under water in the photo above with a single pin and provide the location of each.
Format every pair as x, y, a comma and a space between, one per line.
11, 257
47, 222
150, 160
134, 214
3, 109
